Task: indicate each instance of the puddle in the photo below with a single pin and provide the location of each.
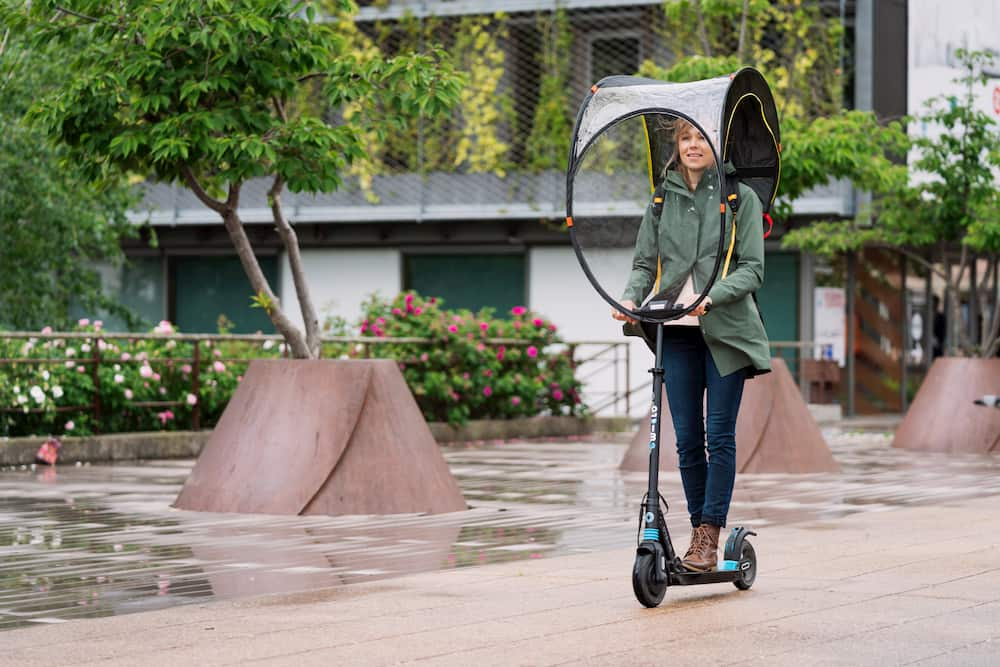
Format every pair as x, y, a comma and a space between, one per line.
91, 541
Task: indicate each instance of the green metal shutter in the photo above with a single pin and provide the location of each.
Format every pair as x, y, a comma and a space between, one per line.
207, 287
468, 281
779, 297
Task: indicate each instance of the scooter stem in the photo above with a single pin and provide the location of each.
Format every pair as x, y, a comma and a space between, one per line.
653, 497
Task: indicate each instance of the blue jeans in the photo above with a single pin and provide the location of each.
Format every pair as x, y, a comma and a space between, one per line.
690, 372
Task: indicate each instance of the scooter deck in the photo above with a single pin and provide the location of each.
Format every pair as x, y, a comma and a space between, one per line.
710, 577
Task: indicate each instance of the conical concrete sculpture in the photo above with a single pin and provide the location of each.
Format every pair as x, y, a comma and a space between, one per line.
944, 417
774, 431
321, 437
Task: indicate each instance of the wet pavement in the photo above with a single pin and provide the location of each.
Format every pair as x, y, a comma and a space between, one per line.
93, 541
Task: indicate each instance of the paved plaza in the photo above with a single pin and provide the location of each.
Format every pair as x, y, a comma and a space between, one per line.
890, 561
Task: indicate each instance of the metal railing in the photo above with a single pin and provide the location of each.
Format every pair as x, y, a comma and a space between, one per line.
800, 350
603, 367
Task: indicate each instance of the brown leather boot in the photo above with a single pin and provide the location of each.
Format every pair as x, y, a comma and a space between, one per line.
703, 556
692, 551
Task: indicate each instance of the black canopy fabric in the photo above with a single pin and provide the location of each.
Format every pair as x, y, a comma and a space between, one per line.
736, 114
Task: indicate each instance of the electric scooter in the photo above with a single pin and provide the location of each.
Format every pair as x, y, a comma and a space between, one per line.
737, 117
657, 565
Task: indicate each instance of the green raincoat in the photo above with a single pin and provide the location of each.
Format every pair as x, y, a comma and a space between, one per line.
689, 220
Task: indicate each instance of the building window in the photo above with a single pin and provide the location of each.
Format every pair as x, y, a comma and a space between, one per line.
472, 281
616, 53
210, 290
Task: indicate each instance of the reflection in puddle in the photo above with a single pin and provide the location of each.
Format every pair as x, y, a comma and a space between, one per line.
93, 541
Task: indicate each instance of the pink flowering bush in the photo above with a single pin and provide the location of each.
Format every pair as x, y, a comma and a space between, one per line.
460, 375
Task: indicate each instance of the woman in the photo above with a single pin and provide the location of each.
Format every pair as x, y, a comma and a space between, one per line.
721, 346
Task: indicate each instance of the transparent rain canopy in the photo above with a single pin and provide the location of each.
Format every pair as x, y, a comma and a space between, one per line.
665, 256
626, 247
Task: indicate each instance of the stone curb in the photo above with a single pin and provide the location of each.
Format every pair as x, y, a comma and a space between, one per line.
188, 444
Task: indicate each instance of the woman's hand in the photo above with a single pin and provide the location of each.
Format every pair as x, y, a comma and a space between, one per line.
702, 307
622, 317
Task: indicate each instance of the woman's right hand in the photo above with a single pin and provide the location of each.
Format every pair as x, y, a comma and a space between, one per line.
622, 317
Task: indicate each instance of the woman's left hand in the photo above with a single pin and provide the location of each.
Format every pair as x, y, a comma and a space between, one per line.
703, 307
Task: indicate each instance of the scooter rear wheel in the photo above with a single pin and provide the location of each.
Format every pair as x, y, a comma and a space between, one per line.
748, 559
647, 591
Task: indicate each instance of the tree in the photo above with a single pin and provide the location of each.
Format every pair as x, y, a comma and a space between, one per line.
951, 200
54, 227
208, 94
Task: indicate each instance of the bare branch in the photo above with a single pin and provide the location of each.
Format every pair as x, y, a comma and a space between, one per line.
279, 108
3, 42
291, 241
259, 284
199, 192
919, 259
743, 31
70, 12
702, 33
313, 75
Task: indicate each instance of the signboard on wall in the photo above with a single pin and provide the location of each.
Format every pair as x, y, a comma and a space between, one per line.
830, 323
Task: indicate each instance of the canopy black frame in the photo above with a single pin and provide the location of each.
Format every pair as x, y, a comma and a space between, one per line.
735, 113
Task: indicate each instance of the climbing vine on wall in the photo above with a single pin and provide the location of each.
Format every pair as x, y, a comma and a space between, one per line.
483, 105
548, 142
794, 42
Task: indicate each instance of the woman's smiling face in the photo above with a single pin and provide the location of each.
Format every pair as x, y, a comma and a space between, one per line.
693, 149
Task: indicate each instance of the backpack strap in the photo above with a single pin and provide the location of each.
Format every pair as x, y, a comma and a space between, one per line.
732, 185
658, 201
733, 199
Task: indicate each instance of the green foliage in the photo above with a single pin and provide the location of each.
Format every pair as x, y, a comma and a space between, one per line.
55, 227
548, 142
820, 140
461, 376
950, 199
691, 68
851, 145
168, 87
951, 194
801, 57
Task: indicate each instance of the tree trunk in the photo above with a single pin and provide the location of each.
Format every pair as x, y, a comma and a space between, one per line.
962, 332
990, 342
743, 32
292, 335
954, 320
291, 241
702, 33
244, 250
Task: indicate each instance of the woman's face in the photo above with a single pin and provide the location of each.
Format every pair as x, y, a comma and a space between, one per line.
693, 149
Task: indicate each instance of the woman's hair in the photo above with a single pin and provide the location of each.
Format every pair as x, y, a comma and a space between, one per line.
676, 127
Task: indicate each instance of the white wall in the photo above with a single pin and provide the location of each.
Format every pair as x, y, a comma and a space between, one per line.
936, 29
558, 289
340, 279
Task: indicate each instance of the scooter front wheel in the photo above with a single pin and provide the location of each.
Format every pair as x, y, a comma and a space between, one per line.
748, 567
647, 591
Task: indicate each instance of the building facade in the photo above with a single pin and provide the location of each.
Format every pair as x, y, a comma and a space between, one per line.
475, 231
